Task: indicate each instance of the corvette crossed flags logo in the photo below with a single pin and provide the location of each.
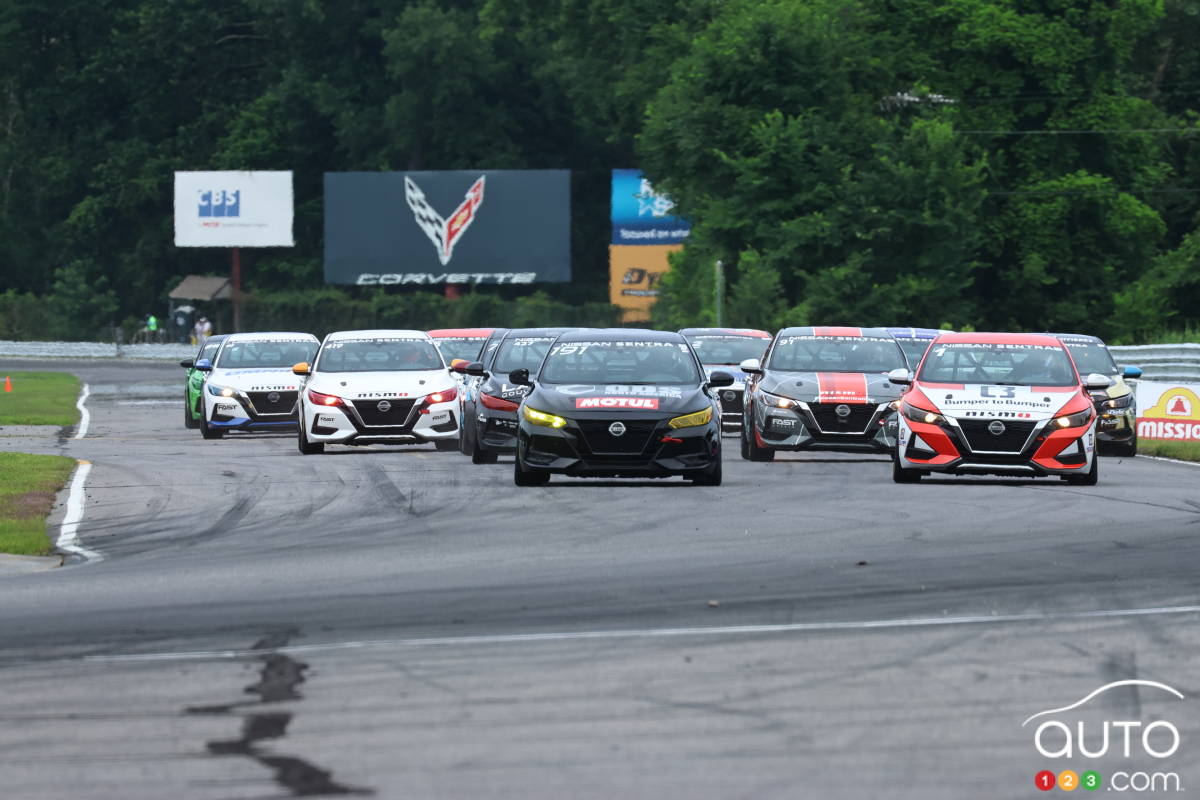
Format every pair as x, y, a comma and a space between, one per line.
444, 233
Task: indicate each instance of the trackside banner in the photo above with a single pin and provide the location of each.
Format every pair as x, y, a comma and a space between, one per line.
233, 209
642, 216
470, 226
1168, 411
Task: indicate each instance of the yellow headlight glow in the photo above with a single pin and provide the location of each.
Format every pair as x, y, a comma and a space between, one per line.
692, 420
542, 418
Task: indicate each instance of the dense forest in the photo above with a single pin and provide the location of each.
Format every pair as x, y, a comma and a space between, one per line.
1007, 164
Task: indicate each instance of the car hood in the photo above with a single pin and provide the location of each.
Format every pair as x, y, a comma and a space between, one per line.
831, 387
989, 400
262, 379
616, 399
389, 384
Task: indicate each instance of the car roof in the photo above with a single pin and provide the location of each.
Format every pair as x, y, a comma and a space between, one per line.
985, 337
622, 335
271, 336
471, 333
835, 330
1077, 338
749, 333
916, 333
376, 333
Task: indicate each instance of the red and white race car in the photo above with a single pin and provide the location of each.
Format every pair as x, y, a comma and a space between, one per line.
997, 403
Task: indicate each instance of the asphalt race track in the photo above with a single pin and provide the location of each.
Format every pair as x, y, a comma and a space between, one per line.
402, 624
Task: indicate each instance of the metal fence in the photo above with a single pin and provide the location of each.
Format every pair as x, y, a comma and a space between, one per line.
1178, 363
164, 352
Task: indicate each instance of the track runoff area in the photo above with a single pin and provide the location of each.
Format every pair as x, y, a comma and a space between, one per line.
399, 621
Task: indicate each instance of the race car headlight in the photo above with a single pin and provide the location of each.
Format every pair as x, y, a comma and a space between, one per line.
1077, 420
221, 391
536, 417
921, 415
1125, 401
692, 420
775, 401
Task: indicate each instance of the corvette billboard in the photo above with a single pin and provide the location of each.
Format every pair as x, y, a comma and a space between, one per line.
469, 226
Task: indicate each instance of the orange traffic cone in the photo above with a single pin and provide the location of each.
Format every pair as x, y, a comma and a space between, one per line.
7, 384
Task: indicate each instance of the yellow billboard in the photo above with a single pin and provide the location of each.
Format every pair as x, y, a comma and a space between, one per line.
634, 275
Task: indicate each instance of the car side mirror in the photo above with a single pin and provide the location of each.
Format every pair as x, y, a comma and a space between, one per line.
720, 378
302, 368
187, 363
751, 366
474, 368
1096, 381
900, 376
520, 377
1131, 372
204, 365
458, 365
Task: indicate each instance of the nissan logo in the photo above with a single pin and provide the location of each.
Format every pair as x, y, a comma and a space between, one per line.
617, 428
383, 406
273, 397
996, 427
842, 410
730, 396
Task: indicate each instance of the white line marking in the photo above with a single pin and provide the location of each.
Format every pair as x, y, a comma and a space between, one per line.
85, 417
1172, 460
1102, 689
68, 534
729, 630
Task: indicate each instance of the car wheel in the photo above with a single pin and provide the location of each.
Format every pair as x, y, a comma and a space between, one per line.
189, 421
903, 475
464, 435
445, 445
528, 477
708, 477
481, 456
1089, 478
207, 431
1128, 449
306, 447
755, 452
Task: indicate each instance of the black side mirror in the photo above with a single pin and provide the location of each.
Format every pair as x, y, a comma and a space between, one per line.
187, 363
720, 378
520, 377
474, 368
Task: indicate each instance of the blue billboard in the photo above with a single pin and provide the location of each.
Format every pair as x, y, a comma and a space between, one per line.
641, 215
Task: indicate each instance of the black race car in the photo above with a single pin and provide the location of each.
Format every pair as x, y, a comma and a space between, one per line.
619, 403
490, 400
724, 349
1116, 432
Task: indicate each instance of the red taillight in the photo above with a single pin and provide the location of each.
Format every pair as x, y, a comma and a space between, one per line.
323, 399
444, 396
497, 403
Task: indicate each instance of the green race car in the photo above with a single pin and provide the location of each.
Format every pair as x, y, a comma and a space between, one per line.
195, 379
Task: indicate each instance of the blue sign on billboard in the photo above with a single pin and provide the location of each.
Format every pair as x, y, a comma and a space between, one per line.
641, 215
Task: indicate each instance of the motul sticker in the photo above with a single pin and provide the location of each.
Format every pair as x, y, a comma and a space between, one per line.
637, 403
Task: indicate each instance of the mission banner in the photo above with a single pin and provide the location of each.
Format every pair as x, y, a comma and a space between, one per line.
1168, 411
469, 226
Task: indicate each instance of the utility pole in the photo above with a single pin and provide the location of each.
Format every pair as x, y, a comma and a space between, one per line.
719, 277
236, 280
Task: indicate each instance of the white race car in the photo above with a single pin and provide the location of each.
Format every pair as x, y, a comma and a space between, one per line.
377, 387
250, 385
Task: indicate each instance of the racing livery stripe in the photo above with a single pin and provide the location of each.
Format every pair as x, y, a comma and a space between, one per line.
837, 331
998, 338
841, 387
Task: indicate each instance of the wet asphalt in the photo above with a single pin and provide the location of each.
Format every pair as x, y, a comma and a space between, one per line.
401, 623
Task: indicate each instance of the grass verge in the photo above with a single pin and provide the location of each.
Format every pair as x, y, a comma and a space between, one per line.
39, 398
1184, 451
28, 485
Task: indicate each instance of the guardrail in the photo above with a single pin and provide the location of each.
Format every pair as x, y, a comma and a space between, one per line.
155, 352
1162, 362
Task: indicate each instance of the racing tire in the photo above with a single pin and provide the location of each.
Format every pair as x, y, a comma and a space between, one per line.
707, 477
751, 451
306, 447
209, 432
528, 477
1089, 478
465, 438
445, 445
1128, 449
188, 420
481, 456
902, 475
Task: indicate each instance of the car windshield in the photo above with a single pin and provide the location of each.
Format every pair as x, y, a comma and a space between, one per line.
464, 347
1001, 363
914, 349
209, 350
808, 353
1093, 357
247, 354
725, 349
379, 355
522, 352
625, 362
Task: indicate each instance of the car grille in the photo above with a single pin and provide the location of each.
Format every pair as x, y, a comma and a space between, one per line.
830, 422
600, 441
731, 401
397, 415
283, 403
979, 438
